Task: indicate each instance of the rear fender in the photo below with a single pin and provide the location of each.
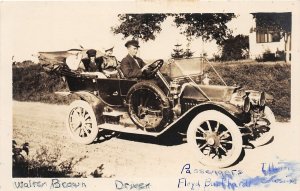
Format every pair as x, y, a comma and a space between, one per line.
96, 103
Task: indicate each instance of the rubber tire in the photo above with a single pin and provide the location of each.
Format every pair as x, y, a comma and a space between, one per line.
229, 124
267, 137
94, 131
167, 115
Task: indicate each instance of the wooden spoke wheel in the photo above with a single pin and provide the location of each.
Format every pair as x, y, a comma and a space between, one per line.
81, 122
215, 138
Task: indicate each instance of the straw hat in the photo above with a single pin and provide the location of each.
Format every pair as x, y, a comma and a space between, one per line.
108, 47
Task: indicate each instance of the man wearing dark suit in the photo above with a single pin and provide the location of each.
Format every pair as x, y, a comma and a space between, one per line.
132, 66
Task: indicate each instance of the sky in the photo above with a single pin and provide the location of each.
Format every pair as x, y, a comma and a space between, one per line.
30, 28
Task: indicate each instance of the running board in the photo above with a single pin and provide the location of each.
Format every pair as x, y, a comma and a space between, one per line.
121, 128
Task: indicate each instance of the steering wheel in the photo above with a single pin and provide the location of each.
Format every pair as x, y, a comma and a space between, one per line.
151, 69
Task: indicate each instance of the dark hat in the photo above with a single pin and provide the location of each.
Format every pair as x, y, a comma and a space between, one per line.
133, 43
91, 52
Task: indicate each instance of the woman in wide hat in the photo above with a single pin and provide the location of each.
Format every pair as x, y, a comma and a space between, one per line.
109, 63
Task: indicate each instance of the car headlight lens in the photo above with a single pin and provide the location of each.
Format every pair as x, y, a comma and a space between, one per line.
262, 100
247, 105
241, 100
257, 98
248, 100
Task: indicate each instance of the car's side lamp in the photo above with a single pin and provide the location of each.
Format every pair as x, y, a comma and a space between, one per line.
177, 110
174, 87
206, 80
247, 104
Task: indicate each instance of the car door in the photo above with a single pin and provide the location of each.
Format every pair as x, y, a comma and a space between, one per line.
125, 85
109, 91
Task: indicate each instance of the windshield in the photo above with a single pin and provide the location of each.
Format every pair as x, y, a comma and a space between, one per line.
183, 67
199, 69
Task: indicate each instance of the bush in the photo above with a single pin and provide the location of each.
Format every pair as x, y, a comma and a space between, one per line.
46, 163
269, 56
32, 83
235, 48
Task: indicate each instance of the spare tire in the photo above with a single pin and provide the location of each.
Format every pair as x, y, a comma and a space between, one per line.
148, 106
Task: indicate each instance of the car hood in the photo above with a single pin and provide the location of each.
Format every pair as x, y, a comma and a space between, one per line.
213, 92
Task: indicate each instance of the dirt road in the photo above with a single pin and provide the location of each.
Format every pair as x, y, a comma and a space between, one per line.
43, 125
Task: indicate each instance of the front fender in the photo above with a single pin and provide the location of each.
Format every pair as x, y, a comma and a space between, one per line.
235, 113
232, 111
96, 103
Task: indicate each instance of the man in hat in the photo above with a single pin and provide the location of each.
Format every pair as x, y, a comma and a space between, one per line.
132, 66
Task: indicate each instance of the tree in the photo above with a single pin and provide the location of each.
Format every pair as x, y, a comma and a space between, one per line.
139, 26
177, 52
208, 26
235, 48
188, 53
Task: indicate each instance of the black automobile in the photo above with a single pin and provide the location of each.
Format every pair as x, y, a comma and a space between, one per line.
216, 118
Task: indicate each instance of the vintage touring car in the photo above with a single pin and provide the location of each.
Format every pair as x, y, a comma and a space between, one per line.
215, 118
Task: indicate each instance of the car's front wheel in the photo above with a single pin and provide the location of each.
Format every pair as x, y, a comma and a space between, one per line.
81, 122
215, 138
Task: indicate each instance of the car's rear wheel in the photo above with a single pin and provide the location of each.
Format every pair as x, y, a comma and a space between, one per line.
81, 122
265, 132
148, 106
215, 138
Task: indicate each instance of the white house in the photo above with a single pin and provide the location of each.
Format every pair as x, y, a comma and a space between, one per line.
264, 40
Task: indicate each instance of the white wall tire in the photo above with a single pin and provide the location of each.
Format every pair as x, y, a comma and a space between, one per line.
215, 139
81, 122
267, 134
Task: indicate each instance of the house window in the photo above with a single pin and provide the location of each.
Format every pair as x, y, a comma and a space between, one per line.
267, 36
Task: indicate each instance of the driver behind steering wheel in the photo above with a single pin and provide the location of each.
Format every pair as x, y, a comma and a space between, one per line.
132, 66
